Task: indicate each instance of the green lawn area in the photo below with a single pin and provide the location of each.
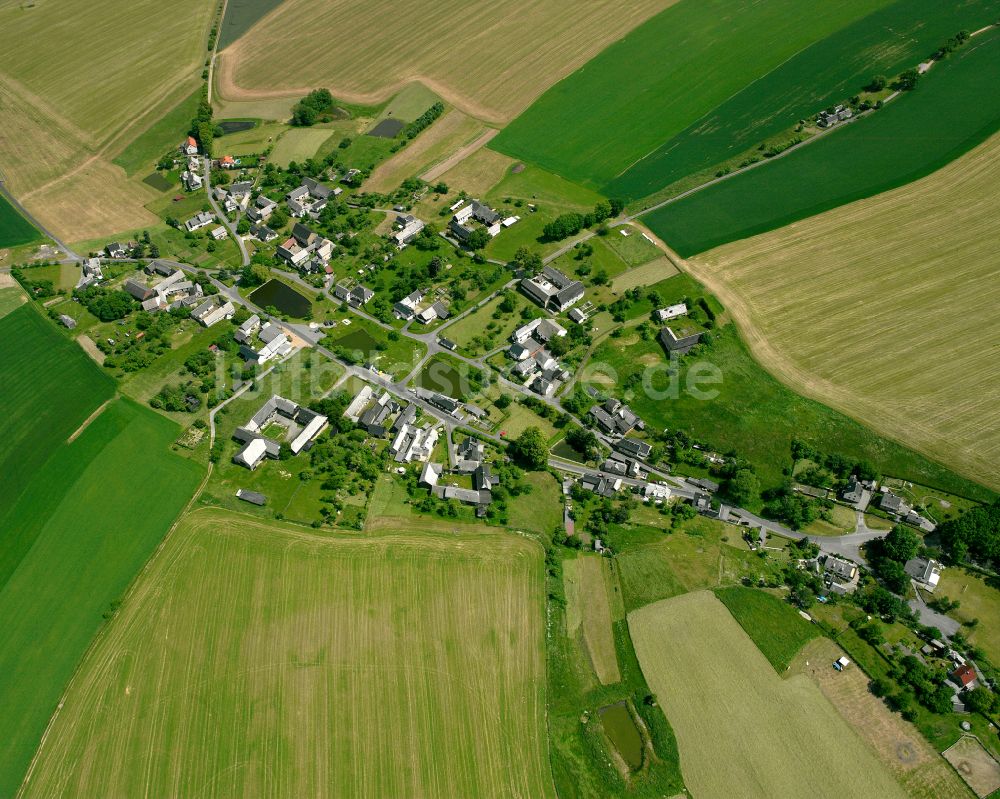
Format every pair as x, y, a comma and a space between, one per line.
751, 413
11, 299
519, 418
662, 77
164, 136
300, 144
410, 103
95, 512
954, 107
775, 626
370, 341
448, 375
251, 141
550, 194
654, 563
980, 598
541, 510
50, 387
634, 248
488, 328
15, 230
833, 69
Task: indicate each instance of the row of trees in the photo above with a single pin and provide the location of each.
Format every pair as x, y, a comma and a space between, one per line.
566, 225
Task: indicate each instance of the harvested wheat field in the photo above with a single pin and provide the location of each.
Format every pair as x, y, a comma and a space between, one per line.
897, 743
256, 659
511, 54
885, 309
741, 729
63, 104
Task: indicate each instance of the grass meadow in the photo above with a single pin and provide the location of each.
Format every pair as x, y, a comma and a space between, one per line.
514, 59
50, 387
164, 136
775, 626
15, 230
754, 414
741, 729
887, 41
664, 76
588, 613
93, 514
886, 310
954, 108
263, 659
980, 598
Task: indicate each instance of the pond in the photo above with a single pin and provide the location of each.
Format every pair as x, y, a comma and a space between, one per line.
237, 125
622, 732
387, 129
287, 300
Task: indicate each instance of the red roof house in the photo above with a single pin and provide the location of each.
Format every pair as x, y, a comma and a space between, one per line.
190, 147
964, 675
227, 162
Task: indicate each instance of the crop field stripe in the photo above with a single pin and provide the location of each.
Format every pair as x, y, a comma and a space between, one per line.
666, 74
797, 291
402, 665
742, 730
95, 513
954, 108
886, 41
49, 387
15, 230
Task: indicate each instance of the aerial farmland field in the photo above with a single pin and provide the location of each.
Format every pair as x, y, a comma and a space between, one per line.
90, 518
81, 105
860, 308
667, 74
44, 364
954, 107
487, 63
887, 41
255, 659
741, 729
15, 230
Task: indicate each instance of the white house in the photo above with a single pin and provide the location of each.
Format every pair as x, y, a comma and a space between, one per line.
672, 312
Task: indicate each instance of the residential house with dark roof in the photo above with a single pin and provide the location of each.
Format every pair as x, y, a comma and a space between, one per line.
553, 290
633, 448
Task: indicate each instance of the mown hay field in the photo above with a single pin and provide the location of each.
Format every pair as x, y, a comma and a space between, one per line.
588, 614
886, 310
78, 82
266, 660
82, 529
489, 62
741, 729
651, 85
954, 108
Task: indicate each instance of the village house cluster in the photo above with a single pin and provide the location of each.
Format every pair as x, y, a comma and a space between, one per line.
534, 363
301, 427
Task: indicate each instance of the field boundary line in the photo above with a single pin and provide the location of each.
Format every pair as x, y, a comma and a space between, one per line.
86, 422
459, 155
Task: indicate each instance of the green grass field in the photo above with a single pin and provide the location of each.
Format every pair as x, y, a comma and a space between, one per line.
662, 77
702, 554
262, 659
299, 144
15, 230
775, 626
95, 512
754, 414
980, 599
588, 613
50, 387
164, 136
828, 72
741, 729
954, 108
